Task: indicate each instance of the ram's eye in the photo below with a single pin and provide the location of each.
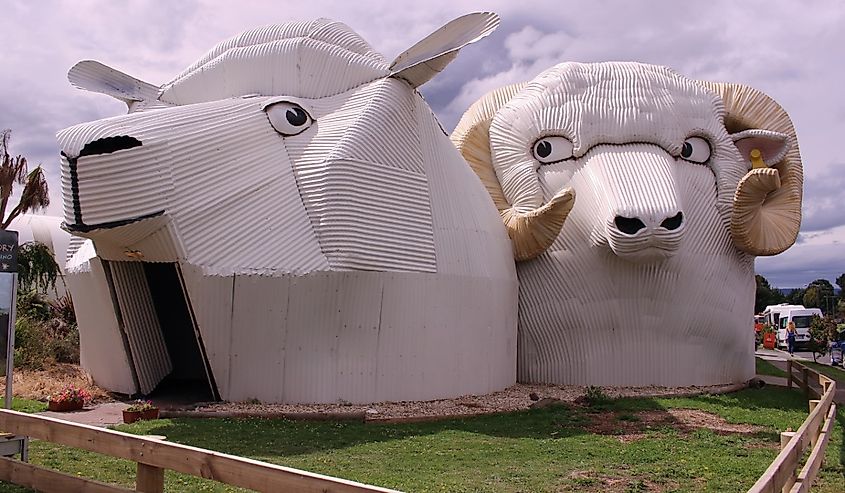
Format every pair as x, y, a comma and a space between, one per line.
288, 118
696, 150
552, 149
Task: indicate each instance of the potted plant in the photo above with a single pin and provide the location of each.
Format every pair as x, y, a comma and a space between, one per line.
70, 399
769, 337
140, 410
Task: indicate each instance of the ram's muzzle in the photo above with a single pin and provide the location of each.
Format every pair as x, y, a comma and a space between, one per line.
635, 195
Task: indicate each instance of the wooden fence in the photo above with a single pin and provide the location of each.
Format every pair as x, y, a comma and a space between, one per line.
153, 458
783, 475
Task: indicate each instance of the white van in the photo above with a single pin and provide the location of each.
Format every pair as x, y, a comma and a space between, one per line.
772, 313
802, 318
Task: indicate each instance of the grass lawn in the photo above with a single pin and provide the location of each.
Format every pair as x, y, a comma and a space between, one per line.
611, 448
28, 405
766, 368
835, 373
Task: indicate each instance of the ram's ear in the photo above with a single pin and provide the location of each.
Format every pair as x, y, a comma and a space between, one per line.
771, 145
94, 76
430, 56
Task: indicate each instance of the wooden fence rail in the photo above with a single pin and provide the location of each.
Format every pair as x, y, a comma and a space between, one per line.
153, 457
782, 475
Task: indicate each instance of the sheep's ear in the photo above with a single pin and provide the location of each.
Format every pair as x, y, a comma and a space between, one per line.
93, 76
772, 146
430, 56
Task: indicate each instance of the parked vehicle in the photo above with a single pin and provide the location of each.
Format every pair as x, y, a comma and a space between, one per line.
836, 350
801, 317
772, 313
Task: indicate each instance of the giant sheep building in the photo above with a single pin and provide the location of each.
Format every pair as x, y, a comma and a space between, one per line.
637, 200
286, 220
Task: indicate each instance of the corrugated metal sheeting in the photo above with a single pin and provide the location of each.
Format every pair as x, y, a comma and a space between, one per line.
355, 336
355, 258
101, 346
665, 305
141, 324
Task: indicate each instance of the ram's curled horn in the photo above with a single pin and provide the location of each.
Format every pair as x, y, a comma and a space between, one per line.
531, 232
766, 212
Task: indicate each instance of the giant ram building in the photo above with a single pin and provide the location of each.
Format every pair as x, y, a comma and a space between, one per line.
637, 200
286, 220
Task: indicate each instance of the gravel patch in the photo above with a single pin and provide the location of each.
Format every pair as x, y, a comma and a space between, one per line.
515, 398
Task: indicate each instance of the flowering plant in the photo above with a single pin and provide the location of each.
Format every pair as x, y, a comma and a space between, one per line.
141, 405
71, 394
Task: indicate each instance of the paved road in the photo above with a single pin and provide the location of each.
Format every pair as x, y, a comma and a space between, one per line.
779, 355
778, 358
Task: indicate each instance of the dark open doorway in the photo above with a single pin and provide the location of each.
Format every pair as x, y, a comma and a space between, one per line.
191, 380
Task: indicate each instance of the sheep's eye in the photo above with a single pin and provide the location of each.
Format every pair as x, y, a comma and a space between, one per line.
288, 118
552, 149
696, 150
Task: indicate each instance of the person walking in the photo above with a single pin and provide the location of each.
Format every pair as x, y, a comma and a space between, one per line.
790, 337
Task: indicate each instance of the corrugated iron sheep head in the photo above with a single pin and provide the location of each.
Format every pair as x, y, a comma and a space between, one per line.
216, 139
629, 131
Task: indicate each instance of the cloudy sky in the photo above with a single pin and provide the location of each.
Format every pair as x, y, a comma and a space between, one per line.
790, 50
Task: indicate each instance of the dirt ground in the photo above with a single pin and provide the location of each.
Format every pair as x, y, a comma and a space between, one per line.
39, 385
628, 427
592, 482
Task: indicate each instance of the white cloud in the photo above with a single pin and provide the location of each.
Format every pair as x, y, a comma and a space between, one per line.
791, 50
819, 255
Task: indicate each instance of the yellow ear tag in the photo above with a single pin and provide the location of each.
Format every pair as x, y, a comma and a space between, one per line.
757, 159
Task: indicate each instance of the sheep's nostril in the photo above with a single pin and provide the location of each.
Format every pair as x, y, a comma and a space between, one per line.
673, 222
108, 145
628, 225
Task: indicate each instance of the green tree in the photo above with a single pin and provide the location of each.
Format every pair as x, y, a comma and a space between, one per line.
766, 295
812, 297
13, 171
37, 268
796, 297
822, 330
819, 294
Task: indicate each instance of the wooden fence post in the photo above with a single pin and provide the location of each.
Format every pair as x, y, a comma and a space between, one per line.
815, 430
785, 437
789, 374
825, 383
805, 381
150, 479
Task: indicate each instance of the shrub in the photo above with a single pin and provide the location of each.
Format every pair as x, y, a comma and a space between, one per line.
45, 332
33, 306
141, 405
31, 348
596, 396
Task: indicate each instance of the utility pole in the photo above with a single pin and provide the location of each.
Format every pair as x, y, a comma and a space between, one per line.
829, 304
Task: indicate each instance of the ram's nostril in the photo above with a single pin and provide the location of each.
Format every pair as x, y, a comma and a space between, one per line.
673, 222
108, 145
628, 225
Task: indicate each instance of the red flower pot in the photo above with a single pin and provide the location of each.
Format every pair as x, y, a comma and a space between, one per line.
133, 416
769, 340
64, 406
